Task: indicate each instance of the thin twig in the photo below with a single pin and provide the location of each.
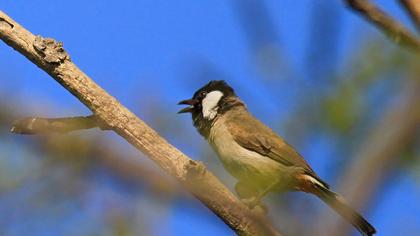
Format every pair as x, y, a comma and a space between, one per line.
38, 125
393, 29
53, 59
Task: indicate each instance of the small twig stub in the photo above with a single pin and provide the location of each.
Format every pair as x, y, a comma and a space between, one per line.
51, 50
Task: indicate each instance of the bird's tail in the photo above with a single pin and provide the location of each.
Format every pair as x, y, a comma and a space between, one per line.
342, 208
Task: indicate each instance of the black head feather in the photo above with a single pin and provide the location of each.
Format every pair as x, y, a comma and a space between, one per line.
214, 85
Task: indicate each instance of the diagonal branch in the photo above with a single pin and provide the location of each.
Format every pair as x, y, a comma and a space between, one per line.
413, 9
53, 59
393, 29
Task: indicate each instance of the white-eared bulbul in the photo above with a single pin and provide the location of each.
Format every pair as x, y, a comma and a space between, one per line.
258, 158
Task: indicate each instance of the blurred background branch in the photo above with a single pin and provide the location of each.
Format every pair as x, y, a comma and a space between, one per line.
380, 154
413, 9
38, 125
392, 28
91, 152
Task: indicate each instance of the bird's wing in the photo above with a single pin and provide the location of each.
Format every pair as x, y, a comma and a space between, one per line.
253, 135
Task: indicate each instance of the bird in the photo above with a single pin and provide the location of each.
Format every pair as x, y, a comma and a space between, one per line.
259, 159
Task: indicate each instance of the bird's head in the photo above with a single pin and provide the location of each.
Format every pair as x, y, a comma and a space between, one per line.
208, 101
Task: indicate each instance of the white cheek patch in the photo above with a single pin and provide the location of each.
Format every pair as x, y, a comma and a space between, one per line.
209, 104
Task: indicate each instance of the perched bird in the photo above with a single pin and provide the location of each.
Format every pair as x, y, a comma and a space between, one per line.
258, 158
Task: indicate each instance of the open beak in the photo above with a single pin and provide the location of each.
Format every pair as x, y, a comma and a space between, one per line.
190, 102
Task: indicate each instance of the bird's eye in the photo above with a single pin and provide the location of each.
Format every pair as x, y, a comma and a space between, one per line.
203, 94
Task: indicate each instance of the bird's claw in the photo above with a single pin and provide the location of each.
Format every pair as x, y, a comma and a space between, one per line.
254, 204
251, 202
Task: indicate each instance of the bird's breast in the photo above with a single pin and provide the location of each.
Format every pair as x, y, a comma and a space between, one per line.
240, 162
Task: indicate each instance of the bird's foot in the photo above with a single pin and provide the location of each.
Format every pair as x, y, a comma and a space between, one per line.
260, 209
255, 204
251, 202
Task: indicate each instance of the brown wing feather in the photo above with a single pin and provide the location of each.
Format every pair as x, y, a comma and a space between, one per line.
253, 135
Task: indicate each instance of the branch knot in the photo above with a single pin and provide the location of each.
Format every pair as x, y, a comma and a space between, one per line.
194, 169
51, 50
